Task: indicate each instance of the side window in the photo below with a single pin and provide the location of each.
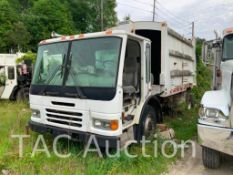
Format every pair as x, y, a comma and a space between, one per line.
11, 73
148, 63
131, 76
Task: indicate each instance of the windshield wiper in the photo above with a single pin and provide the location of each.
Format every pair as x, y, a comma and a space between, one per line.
51, 77
47, 82
79, 93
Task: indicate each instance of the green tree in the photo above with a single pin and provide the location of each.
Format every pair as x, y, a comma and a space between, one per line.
109, 14
21, 6
28, 56
18, 37
7, 18
26, 22
80, 11
46, 16
110, 17
87, 14
199, 42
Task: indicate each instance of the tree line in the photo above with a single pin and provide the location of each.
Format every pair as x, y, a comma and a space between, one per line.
23, 23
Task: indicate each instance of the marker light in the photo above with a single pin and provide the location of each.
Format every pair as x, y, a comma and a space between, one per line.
35, 113
114, 125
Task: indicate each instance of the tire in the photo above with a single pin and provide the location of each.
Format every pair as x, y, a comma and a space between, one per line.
147, 125
22, 94
211, 158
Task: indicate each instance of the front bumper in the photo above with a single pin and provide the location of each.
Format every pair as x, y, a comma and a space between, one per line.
75, 135
219, 139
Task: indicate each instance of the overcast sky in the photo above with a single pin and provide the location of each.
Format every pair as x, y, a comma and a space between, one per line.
208, 15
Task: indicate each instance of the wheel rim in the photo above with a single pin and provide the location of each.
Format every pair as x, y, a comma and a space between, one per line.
149, 126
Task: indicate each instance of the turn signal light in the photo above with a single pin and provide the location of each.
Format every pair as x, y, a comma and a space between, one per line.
114, 125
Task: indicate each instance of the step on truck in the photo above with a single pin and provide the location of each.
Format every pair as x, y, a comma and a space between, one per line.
215, 128
110, 84
15, 78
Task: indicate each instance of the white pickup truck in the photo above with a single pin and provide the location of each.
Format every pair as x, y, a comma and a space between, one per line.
215, 128
110, 84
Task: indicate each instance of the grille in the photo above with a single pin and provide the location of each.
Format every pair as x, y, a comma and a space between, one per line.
66, 118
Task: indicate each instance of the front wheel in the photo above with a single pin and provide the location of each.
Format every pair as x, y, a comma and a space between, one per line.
147, 123
211, 158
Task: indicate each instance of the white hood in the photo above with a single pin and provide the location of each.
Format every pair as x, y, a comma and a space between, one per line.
221, 99
218, 100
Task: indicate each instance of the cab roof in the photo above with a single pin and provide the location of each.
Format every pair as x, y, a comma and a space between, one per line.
92, 35
228, 31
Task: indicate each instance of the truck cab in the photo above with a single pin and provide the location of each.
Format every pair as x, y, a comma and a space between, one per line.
91, 84
215, 128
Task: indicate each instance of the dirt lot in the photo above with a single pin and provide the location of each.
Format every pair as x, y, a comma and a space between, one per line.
194, 166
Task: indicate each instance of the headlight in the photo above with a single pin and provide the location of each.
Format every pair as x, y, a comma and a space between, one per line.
105, 124
35, 113
212, 115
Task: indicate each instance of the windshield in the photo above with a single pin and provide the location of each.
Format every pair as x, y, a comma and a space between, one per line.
94, 62
50, 59
228, 48
89, 63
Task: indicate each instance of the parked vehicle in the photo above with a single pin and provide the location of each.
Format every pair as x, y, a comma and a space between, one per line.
110, 84
215, 128
15, 78
211, 56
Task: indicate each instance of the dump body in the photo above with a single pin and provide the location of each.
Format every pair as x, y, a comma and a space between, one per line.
173, 58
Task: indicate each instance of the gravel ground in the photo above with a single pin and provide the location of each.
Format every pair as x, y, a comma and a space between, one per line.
194, 166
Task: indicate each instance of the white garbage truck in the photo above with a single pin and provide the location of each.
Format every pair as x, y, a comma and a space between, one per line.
15, 78
215, 128
110, 84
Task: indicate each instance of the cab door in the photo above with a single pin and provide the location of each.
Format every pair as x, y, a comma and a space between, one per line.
147, 70
2, 80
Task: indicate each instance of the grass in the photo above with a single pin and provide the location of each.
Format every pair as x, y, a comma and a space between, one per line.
184, 123
14, 118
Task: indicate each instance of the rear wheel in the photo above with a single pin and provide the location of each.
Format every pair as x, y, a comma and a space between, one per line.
147, 123
211, 158
23, 94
